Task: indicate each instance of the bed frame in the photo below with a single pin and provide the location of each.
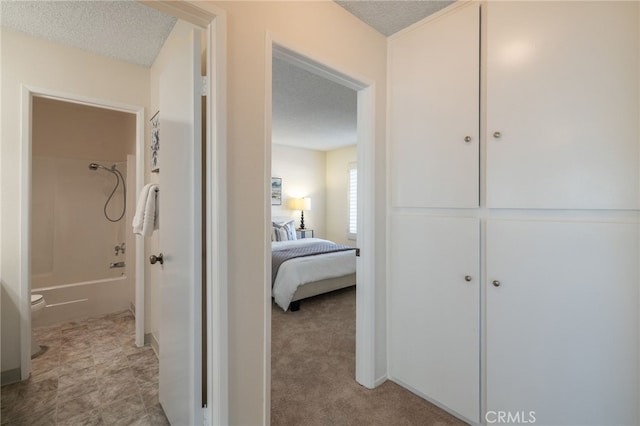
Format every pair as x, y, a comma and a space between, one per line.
320, 287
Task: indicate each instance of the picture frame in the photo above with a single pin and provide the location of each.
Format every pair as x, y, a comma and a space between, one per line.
276, 191
155, 143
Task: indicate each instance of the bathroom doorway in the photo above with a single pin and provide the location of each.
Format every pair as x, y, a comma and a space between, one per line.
84, 260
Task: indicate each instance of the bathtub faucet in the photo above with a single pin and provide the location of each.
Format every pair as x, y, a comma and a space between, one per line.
119, 249
116, 265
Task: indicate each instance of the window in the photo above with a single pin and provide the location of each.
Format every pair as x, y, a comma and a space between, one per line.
353, 200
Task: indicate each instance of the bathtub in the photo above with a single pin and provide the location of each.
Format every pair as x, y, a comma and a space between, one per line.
77, 301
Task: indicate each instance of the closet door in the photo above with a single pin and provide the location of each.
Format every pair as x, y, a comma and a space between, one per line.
434, 306
433, 113
562, 105
562, 326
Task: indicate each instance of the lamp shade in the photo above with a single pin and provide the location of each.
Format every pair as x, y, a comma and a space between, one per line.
296, 204
300, 203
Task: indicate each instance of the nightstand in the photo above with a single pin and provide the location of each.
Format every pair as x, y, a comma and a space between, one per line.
304, 233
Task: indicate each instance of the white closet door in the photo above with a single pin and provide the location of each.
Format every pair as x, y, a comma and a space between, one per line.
562, 327
434, 308
433, 96
562, 92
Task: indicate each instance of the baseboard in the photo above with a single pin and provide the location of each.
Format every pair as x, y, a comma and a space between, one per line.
150, 339
10, 376
380, 380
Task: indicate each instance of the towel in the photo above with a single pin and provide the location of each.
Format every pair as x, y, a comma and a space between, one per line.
146, 217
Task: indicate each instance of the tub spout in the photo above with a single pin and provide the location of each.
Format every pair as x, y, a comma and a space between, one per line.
116, 265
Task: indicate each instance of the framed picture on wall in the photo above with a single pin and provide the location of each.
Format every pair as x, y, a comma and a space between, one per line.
276, 191
155, 142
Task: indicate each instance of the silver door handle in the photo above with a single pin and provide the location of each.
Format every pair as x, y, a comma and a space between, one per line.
496, 283
153, 259
468, 278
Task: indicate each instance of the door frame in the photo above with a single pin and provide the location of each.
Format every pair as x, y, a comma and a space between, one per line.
365, 278
28, 93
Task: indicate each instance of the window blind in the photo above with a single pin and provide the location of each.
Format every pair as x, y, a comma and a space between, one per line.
353, 201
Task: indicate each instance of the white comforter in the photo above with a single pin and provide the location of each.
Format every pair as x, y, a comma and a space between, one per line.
303, 270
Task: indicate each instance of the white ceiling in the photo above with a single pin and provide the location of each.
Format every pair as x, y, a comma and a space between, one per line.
308, 111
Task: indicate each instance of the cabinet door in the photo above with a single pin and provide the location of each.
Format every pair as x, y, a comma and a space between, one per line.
562, 327
434, 310
562, 91
433, 112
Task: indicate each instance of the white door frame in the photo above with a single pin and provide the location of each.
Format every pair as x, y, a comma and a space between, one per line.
28, 93
365, 288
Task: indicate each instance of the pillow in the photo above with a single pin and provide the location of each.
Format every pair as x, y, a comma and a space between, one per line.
284, 231
281, 220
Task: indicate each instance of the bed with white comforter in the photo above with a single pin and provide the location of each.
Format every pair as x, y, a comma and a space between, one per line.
305, 271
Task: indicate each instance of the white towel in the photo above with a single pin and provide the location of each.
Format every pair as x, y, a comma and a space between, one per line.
146, 217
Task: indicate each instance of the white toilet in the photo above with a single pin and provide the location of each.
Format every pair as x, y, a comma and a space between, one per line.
37, 304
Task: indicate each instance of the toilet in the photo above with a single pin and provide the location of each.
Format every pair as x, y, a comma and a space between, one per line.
37, 304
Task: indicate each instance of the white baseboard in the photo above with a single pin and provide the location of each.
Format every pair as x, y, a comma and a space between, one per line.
380, 380
150, 339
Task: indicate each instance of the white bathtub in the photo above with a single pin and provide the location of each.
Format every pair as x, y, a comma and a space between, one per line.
77, 301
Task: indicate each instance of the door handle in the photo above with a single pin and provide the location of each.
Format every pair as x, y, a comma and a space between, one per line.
153, 259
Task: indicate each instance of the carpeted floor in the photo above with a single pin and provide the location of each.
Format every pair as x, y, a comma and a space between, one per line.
313, 370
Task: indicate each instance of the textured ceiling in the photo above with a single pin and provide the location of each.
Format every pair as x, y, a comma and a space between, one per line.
310, 111
389, 17
125, 30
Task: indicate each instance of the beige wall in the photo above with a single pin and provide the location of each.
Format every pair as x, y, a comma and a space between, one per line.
303, 175
325, 31
321, 175
338, 161
69, 130
40, 64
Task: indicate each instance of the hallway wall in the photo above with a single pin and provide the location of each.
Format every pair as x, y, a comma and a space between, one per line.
41, 64
323, 30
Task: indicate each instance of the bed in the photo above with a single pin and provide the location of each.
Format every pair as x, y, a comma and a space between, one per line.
318, 266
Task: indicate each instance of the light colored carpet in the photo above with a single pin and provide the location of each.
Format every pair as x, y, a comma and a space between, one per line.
313, 370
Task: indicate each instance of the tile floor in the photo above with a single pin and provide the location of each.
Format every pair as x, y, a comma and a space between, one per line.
92, 374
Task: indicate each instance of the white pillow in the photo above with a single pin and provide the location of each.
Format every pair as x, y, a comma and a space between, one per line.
284, 231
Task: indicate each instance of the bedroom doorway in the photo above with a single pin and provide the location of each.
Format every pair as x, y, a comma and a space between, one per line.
345, 169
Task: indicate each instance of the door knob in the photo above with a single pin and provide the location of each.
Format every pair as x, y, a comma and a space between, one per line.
153, 259
468, 278
497, 135
467, 139
496, 283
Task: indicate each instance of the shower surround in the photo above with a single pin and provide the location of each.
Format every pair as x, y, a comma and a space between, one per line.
74, 245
